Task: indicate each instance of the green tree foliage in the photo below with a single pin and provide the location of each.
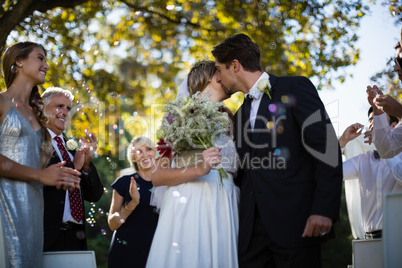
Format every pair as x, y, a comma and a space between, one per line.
386, 79
124, 59
132, 54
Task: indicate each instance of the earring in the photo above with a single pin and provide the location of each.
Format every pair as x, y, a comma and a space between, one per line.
14, 69
20, 64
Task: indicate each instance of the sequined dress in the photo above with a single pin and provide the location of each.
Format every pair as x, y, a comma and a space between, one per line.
198, 222
21, 203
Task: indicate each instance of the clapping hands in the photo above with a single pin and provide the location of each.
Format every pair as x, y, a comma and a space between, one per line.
60, 176
83, 156
383, 103
134, 193
355, 130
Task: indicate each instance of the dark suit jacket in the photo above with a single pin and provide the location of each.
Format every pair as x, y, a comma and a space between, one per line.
91, 191
296, 171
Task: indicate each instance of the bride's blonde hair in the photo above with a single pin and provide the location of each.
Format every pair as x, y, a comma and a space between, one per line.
200, 76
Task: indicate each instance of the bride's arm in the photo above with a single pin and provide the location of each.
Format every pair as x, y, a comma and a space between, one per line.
163, 174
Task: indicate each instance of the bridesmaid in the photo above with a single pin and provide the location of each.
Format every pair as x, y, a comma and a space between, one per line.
132, 219
23, 155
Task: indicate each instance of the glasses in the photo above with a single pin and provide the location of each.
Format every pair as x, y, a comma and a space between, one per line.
398, 61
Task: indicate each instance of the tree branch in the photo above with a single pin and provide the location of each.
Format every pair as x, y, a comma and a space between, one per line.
24, 9
177, 21
11, 18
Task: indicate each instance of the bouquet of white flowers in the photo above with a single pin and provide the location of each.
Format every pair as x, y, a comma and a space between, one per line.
192, 123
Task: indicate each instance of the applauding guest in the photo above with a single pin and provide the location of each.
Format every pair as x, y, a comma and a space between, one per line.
23, 154
388, 142
64, 221
132, 219
376, 177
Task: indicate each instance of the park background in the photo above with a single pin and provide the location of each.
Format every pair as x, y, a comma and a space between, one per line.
124, 59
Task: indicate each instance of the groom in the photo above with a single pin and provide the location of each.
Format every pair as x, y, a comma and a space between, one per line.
290, 163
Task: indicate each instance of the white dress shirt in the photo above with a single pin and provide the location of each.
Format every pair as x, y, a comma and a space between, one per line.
387, 141
67, 211
257, 96
375, 179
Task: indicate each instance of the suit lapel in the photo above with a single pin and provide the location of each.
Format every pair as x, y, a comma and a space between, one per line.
263, 114
241, 145
262, 118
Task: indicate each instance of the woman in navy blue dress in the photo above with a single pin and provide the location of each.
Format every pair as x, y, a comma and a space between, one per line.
131, 217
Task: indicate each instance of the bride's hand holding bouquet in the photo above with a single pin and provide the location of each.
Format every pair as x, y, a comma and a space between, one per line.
193, 123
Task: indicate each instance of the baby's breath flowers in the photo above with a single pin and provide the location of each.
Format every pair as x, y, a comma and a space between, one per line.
192, 123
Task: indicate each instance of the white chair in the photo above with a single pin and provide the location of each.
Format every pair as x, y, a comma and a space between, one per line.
68, 259
368, 253
3, 247
391, 232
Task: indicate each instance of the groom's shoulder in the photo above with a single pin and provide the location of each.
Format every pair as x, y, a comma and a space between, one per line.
288, 77
292, 81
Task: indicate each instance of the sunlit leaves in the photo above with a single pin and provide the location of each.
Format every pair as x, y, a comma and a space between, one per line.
139, 49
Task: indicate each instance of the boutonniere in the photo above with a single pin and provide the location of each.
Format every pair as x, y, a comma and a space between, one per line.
72, 144
264, 86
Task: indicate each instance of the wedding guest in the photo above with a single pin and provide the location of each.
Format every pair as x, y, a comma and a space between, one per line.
131, 217
23, 153
64, 220
388, 142
376, 178
291, 171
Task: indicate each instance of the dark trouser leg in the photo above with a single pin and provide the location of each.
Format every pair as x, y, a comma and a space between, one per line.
263, 253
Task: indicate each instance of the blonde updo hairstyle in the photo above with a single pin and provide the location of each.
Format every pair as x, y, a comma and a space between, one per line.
138, 141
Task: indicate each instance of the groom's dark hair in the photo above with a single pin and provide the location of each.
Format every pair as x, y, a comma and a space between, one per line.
241, 48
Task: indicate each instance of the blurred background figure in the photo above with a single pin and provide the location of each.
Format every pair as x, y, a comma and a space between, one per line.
388, 142
375, 175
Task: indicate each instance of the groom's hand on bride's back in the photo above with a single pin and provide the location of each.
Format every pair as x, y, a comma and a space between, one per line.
210, 157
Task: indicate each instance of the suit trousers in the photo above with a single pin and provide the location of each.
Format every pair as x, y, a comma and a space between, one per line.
262, 252
70, 239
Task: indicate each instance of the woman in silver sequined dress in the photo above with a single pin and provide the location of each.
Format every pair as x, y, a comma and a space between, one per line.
22, 156
198, 222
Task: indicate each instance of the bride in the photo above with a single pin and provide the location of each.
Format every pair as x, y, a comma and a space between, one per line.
198, 222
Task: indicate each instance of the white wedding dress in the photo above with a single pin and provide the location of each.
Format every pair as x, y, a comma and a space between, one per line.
198, 223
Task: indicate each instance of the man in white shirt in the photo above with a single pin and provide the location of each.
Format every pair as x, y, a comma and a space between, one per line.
64, 215
376, 177
388, 142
